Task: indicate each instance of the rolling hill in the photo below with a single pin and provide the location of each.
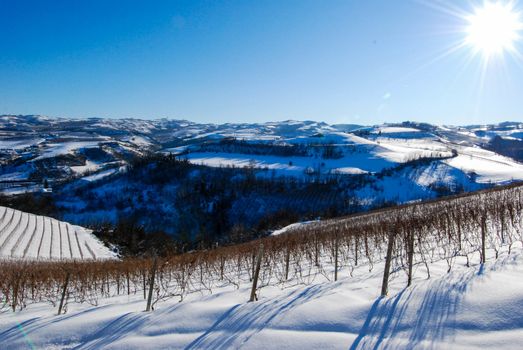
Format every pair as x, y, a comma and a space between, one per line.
244, 175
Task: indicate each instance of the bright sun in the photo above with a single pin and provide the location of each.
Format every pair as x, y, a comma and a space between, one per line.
493, 28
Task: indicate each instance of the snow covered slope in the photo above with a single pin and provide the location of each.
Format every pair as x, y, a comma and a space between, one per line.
33, 237
466, 261
469, 308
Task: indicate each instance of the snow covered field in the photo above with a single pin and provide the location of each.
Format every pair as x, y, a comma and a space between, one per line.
468, 308
56, 149
291, 227
19, 143
293, 166
489, 166
29, 236
374, 156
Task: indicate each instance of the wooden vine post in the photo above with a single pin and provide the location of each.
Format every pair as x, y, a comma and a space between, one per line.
336, 249
287, 262
256, 274
410, 256
386, 272
64, 293
151, 283
483, 238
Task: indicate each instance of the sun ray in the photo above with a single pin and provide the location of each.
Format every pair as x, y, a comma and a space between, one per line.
482, 78
446, 8
466, 64
519, 62
490, 31
457, 46
493, 29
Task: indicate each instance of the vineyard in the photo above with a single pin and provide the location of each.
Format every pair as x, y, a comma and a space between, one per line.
405, 239
32, 237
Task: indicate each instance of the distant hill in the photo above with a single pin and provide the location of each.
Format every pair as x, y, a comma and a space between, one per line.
213, 181
35, 148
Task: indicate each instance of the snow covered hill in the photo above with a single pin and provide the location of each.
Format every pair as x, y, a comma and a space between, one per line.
32, 237
88, 164
34, 148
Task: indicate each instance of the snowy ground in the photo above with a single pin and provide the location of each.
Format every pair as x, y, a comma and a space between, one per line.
468, 308
373, 156
293, 166
489, 166
29, 236
56, 149
19, 143
291, 227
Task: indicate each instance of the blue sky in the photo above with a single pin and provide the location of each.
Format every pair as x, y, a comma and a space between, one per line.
353, 61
